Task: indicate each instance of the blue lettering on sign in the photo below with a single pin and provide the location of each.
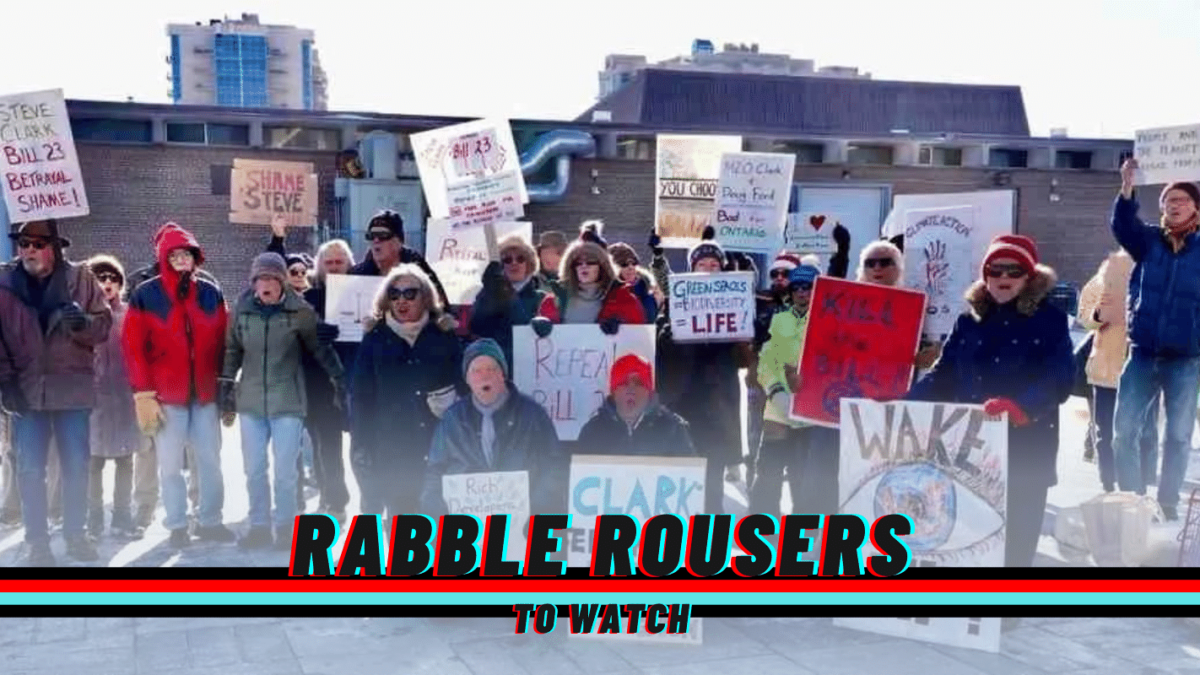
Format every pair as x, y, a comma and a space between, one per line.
577, 499
637, 503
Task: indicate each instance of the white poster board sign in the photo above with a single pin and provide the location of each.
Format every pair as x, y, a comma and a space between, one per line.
459, 255
937, 262
687, 169
567, 372
945, 465
42, 178
471, 172
640, 487
812, 232
982, 634
350, 304
752, 201
1167, 154
715, 307
492, 494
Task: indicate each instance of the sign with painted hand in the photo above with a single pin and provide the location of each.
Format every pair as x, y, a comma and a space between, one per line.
350, 304
752, 201
1167, 154
860, 342
640, 487
937, 262
471, 172
491, 494
712, 307
945, 465
686, 173
567, 372
42, 178
259, 191
459, 255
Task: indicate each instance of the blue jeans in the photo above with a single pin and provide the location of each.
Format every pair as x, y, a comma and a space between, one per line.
197, 426
1178, 378
32, 432
283, 435
1104, 403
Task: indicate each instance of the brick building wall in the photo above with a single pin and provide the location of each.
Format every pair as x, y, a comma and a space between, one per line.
134, 189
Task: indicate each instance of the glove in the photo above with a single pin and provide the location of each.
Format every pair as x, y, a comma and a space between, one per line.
12, 398
610, 326
327, 333
793, 378
996, 406
841, 236
541, 326
227, 397
447, 323
655, 244
149, 413
74, 318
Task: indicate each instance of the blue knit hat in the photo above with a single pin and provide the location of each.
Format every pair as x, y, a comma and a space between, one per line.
484, 347
804, 274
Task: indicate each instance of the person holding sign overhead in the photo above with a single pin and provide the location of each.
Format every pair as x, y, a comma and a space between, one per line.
632, 421
406, 376
512, 291
1012, 353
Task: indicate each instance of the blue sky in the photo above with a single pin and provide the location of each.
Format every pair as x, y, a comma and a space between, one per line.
1101, 68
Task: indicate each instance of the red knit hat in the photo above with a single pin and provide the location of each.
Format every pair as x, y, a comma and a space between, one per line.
627, 366
785, 261
1019, 248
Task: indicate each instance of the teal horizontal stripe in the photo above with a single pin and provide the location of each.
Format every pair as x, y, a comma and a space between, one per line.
817, 599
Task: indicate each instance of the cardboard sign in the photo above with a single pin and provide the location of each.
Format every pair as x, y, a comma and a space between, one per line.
259, 191
491, 494
982, 634
937, 262
716, 307
350, 304
640, 487
752, 201
42, 178
459, 255
686, 173
945, 465
471, 172
1167, 154
860, 342
567, 372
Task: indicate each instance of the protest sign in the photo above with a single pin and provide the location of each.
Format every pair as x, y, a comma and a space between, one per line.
812, 232
459, 255
1167, 154
42, 178
687, 169
937, 262
640, 487
259, 191
982, 634
752, 201
860, 342
471, 174
350, 304
945, 465
567, 371
491, 494
712, 307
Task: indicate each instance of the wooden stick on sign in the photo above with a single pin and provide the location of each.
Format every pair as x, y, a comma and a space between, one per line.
489, 236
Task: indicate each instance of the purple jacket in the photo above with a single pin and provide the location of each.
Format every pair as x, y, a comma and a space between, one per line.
114, 430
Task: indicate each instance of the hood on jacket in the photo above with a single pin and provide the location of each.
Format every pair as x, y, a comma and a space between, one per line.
1116, 270
168, 238
1036, 289
513, 242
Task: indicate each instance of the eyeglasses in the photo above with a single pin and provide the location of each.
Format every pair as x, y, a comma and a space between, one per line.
587, 263
779, 274
801, 286
1010, 271
297, 271
882, 263
514, 260
380, 236
107, 277
180, 254
36, 244
628, 263
394, 293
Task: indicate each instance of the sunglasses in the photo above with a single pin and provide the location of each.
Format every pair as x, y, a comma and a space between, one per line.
587, 263
380, 236
36, 244
882, 263
297, 271
779, 274
406, 293
802, 286
108, 277
514, 260
628, 263
1010, 271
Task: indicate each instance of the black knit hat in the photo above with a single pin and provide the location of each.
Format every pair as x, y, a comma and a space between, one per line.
707, 248
389, 219
1186, 186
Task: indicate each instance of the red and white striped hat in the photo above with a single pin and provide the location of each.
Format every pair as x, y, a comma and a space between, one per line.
785, 261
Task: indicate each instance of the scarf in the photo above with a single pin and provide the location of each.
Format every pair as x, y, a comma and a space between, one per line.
487, 433
407, 331
1176, 236
585, 305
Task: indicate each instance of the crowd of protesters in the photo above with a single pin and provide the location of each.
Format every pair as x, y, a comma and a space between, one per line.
143, 369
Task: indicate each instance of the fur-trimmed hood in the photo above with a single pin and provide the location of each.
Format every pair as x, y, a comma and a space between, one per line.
514, 242
1036, 289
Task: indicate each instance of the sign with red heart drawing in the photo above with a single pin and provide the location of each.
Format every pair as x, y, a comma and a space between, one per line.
811, 233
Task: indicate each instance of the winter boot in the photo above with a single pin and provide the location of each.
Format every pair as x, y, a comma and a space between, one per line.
95, 523
40, 555
123, 525
82, 549
256, 538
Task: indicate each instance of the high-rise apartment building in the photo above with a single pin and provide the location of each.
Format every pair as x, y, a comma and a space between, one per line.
246, 64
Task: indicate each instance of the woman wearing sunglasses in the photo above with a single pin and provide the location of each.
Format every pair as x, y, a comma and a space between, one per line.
882, 264
588, 290
1012, 353
407, 374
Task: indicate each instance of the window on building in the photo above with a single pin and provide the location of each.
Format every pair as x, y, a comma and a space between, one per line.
635, 148
806, 153
1008, 158
112, 130
870, 154
931, 155
229, 134
1073, 159
186, 132
302, 138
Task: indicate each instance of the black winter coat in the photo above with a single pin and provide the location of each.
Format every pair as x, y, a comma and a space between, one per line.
497, 309
660, 433
699, 381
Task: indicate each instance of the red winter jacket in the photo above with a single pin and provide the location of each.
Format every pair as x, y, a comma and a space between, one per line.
619, 303
174, 346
